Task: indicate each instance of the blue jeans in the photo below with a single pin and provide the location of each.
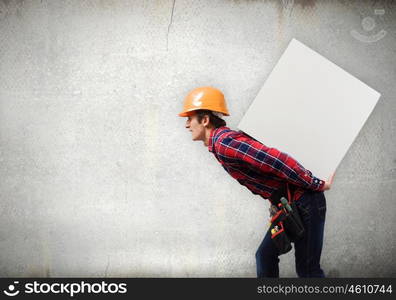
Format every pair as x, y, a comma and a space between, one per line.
312, 208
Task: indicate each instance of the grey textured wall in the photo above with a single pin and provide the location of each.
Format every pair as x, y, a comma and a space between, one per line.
99, 176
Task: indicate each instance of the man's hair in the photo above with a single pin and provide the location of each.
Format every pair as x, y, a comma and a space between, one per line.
214, 120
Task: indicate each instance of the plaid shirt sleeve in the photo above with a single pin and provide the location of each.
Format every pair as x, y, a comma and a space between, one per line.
240, 148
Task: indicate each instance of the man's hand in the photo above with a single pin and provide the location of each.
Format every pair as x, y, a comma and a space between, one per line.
328, 183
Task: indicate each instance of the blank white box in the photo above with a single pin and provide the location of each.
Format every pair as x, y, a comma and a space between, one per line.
309, 108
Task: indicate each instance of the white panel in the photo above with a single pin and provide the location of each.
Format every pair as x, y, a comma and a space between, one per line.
309, 108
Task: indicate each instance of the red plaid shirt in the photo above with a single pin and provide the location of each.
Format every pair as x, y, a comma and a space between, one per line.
261, 169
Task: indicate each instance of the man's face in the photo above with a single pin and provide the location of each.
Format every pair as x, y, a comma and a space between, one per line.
197, 129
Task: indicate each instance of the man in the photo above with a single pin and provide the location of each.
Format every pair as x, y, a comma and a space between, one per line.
264, 171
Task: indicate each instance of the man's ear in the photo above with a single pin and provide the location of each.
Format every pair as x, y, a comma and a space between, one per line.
205, 120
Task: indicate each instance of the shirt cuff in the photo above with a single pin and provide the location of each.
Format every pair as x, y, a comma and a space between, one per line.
318, 184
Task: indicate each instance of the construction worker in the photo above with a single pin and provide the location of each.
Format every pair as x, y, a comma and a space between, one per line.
263, 171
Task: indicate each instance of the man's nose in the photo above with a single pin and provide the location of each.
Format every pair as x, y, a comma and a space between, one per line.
187, 124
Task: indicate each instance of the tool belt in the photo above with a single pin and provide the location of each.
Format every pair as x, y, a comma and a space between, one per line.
285, 225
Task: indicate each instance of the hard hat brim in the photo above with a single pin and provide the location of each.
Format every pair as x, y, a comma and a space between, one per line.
191, 112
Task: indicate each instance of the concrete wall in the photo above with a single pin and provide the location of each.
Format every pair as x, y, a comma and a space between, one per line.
99, 176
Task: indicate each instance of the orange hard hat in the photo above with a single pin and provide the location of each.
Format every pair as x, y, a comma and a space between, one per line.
204, 98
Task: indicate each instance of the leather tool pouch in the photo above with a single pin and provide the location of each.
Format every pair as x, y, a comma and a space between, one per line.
278, 233
293, 225
286, 226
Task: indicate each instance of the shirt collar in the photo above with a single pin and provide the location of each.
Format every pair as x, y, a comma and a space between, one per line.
215, 132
